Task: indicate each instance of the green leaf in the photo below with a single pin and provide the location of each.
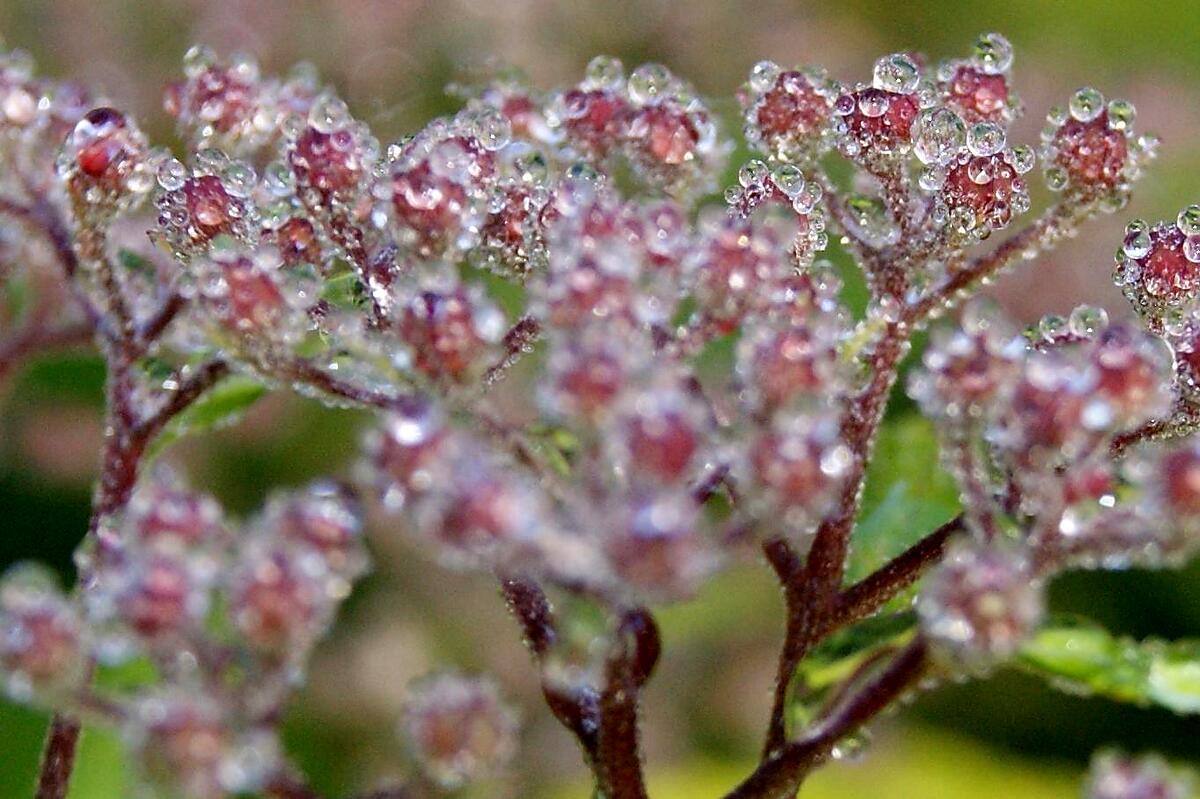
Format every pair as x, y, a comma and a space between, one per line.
135, 262
221, 406
344, 291
908, 494
1081, 657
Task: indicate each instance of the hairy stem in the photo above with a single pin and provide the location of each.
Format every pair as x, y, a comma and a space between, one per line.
58, 757
780, 775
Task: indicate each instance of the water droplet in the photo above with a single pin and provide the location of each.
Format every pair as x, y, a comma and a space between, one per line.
492, 129
763, 76
897, 73
1137, 240
789, 179
328, 114
993, 53
1086, 104
753, 172
197, 60
1056, 178
1121, 114
939, 135
605, 72
985, 138
172, 174
1023, 158
1188, 220
648, 82
1087, 320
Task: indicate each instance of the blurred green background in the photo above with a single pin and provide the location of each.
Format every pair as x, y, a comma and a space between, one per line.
1007, 737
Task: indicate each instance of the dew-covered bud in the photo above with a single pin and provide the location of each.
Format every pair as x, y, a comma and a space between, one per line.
458, 729
656, 545
405, 454
435, 196
799, 465
279, 600
671, 138
325, 518
242, 291
197, 206
165, 513
978, 88
585, 373
188, 743
782, 363
41, 636
1115, 775
659, 435
510, 240
979, 606
736, 266
965, 371
1134, 370
787, 112
332, 154
593, 115
105, 162
221, 103
982, 189
450, 333
1053, 412
485, 515
874, 123
1158, 268
159, 598
1090, 151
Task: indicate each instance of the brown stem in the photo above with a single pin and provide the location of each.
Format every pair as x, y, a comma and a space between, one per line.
780, 775
788, 568
618, 751
58, 757
529, 605
1038, 235
517, 341
154, 327
869, 594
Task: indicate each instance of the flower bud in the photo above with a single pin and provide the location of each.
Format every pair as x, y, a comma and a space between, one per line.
41, 637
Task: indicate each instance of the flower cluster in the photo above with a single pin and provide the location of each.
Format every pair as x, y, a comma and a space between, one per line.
588, 383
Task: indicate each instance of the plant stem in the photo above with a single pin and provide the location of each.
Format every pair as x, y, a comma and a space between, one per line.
58, 757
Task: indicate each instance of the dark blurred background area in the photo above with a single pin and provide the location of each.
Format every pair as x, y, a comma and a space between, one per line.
1009, 736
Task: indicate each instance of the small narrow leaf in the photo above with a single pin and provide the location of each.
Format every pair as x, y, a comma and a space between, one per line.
221, 406
1078, 656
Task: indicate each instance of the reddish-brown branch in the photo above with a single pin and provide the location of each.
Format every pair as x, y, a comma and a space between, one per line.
869, 594
58, 757
154, 326
517, 341
781, 774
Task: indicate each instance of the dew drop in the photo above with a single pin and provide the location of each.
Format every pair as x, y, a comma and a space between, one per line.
604, 72
1188, 220
648, 82
897, 73
985, 138
993, 53
939, 135
1086, 104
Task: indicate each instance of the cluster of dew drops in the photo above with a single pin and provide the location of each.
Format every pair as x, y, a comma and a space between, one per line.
314, 256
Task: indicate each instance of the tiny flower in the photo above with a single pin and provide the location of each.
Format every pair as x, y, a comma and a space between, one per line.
1158, 268
408, 449
787, 112
979, 606
450, 333
656, 545
105, 163
1089, 149
198, 206
798, 464
42, 650
458, 729
279, 600
978, 87
325, 518
190, 743
221, 103
332, 154
874, 123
